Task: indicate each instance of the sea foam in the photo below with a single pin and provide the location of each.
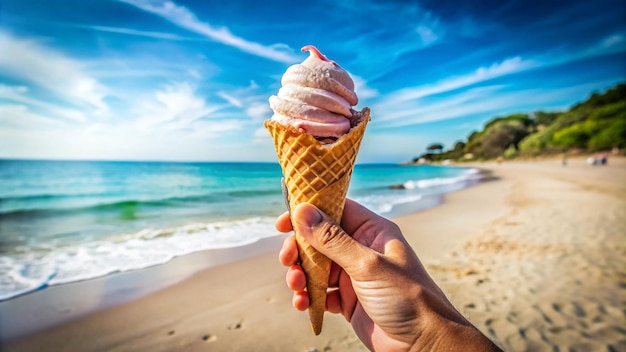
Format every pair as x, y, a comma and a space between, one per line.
23, 272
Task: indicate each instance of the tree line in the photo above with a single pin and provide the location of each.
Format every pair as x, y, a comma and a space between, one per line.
597, 124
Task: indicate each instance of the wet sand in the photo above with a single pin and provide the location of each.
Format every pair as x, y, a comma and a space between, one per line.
536, 259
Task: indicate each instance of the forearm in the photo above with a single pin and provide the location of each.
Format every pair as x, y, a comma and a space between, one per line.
444, 328
446, 335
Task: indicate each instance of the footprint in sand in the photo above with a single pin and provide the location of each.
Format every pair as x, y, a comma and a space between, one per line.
235, 326
209, 338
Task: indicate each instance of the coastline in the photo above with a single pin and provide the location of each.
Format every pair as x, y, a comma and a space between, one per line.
240, 304
56, 305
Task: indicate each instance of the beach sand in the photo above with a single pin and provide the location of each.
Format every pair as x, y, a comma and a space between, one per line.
535, 259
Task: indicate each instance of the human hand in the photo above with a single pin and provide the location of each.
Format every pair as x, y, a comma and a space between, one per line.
377, 282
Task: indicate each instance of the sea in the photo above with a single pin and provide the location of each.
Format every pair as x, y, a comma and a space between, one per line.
67, 221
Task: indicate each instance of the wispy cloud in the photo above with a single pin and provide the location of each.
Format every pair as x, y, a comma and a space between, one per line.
229, 98
362, 90
607, 45
488, 101
259, 110
182, 17
174, 107
465, 103
20, 117
251, 99
613, 41
427, 34
611, 44
50, 69
400, 98
129, 31
21, 94
210, 129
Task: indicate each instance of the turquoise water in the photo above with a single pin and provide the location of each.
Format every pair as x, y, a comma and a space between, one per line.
64, 221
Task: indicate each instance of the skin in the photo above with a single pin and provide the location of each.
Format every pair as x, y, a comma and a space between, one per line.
377, 283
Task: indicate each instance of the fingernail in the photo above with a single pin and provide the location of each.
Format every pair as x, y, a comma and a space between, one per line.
310, 216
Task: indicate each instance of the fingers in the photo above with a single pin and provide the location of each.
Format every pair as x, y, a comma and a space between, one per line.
283, 222
288, 254
333, 301
342, 299
300, 300
296, 279
328, 238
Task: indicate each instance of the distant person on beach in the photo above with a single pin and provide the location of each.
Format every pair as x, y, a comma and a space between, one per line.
381, 287
601, 159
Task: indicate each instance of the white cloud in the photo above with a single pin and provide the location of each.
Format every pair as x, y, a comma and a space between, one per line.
462, 104
488, 101
16, 116
508, 66
174, 107
52, 70
427, 35
120, 30
253, 102
182, 17
229, 98
261, 132
259, 111
262, 136
613, 41
612, 44
20, 94
209, 129
361, 89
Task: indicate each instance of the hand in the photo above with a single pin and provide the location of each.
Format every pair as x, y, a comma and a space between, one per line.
377, 283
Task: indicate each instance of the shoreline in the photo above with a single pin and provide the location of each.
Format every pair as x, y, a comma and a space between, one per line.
128, 233
481, 260
52, 306
119, 288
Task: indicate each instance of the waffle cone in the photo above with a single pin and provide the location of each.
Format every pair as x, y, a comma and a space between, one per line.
320, 175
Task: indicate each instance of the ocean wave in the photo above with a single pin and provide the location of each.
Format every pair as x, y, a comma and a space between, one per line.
104, 206
384, 204
470, 174
68, 203
24, 272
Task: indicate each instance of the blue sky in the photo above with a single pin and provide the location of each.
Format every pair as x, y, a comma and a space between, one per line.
190, 80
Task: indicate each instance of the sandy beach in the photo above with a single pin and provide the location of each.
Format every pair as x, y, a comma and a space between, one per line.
536, 259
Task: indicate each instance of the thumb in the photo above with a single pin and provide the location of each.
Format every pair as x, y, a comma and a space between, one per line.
325, 235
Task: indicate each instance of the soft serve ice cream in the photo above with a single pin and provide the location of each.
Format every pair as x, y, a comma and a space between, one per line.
317, 136
316, 97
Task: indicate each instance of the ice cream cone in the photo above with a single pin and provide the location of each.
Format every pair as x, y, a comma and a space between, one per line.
317, 174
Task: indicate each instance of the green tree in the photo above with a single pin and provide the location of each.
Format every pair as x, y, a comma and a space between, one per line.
474, 142
574, 136
613, 135
545, 119
435, 147
500, 136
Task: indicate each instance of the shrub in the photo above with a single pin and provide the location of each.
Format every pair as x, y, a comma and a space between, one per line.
612, 135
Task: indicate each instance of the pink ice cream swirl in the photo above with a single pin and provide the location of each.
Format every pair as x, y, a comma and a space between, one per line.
316, 97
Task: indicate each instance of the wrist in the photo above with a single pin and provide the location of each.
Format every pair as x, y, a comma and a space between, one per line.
453, 336
451, 333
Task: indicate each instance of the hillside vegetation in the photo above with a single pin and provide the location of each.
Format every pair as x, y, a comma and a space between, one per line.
598, 124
